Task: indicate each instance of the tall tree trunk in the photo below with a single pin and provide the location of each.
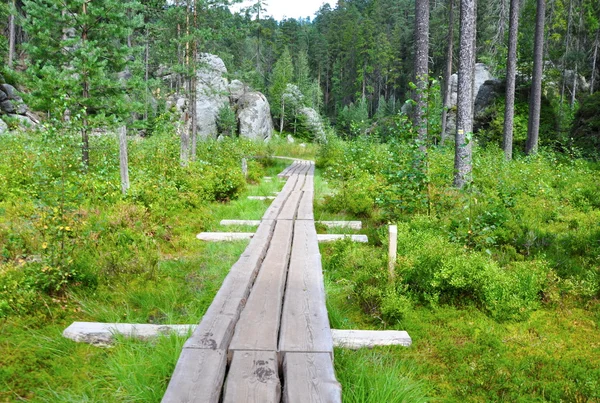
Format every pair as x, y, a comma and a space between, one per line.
194, 84
593, 80
123, 161
448, 70
564, 63
535, 100
146, 74
421, 69
574, 92
85, 141
464, 114
282, 115
11, 36
511, 73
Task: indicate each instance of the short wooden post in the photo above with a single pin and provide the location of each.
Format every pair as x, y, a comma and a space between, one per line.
123, 162
245, 167
393, 247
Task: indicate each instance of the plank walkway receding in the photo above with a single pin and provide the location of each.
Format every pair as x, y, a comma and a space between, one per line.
266, 336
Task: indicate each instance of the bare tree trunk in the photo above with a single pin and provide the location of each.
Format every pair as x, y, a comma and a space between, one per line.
11, 37
464, 114
564, 63
85, 141
282, 115
421, 70
511, 73
123, 161
574, 92
184, 153
535, 99
146, 75
193, 83
448, 71
592, 83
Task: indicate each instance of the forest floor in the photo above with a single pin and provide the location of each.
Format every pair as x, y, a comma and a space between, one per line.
459, 352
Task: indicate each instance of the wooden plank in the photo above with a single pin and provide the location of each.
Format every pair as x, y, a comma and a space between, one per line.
310, 377
336, 237
224, 236
289, 210
258, 326
273, 211
355, 339
249, 223
198, 377
216, 328
342, 224
305, 324
261, 197
102, 334
305, 210
253, 377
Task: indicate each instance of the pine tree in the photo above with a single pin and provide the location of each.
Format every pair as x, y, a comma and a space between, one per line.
283, 74
421, 69
511, 73
464, 113
76, 49
535, 100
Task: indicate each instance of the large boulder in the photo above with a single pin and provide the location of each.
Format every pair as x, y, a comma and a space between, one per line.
3, 127
485, 90
7, 107
237, 89
212, 93
254, 116
313, 123
569, 79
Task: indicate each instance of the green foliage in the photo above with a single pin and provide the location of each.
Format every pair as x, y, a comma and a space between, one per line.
226, 121
586, 127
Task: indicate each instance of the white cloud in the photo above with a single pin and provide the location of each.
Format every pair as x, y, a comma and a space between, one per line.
280, 9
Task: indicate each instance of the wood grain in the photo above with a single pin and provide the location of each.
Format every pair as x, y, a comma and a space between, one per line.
198, 377
310, 378
258, 326
253, 377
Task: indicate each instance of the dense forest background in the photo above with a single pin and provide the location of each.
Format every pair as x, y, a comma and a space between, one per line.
354, 61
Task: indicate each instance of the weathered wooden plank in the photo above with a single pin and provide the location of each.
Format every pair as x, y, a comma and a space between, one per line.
253, 377
216, 328
102, 334
253, 223
310, 377
304, 323
224, 236
341, 224
258, 326
355, 339
237, 236
274, 209
198, 377
261, 197
356, 225
336, 237
305, 210
288, 212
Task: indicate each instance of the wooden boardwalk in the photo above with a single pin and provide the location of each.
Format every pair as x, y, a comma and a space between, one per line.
266, 336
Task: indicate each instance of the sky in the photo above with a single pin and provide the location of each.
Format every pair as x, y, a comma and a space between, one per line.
281, 9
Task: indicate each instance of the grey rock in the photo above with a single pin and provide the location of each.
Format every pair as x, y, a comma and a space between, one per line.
3, 96
7, 107
237, 89
212, 93
21, 108
10, 91
254, 116
3, 127
487, 94
290, 139
24, 121
124, 75
313, 122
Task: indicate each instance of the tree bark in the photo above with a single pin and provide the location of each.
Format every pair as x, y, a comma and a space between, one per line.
11, 37
448, 71
511, 73
123, 161
194, 83
592, 83
421, 69
464, 113
85, 141
535, 99
282, 115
